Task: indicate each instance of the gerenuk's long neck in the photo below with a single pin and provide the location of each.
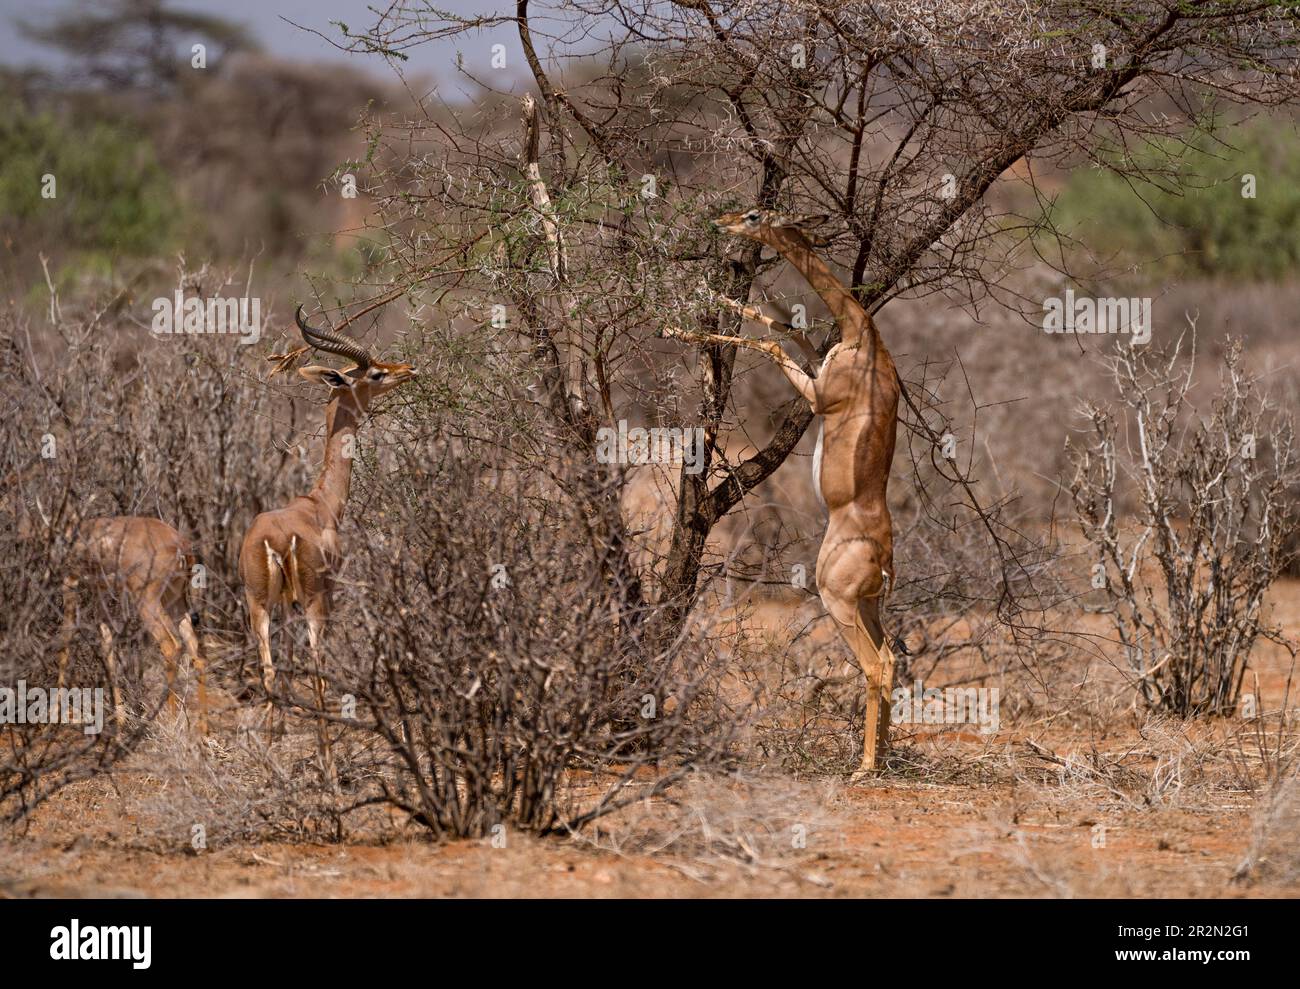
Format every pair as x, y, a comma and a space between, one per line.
331, 488
855, 323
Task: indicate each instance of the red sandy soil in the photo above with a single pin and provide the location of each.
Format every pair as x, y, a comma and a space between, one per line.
915, 840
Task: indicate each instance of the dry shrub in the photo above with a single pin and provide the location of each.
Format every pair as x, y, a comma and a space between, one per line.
1211, 515
208, 792
104, 419
492, 651
757, 822
1274, 854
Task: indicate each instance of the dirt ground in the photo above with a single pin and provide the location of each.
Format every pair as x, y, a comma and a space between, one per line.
889, 840
905, 842
1056, 809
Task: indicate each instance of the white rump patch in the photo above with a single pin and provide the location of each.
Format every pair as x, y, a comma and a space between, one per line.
817, 463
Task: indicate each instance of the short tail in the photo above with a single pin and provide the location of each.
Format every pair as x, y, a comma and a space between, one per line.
287, 565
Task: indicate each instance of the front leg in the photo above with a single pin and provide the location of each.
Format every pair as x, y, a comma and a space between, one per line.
793, 372
756, 314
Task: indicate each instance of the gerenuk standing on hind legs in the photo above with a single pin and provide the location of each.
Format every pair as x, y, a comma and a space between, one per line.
856, 394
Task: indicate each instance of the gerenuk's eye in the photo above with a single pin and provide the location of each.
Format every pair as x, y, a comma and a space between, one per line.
376, 375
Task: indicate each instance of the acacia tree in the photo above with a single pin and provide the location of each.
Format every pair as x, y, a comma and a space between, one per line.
896, 119
133, 44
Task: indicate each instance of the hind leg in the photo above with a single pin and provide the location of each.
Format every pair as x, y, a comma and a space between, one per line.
317, 614
869, 611
260, 618
110, 664
156, 623
176, 603
876, 667
195, 653
850, 579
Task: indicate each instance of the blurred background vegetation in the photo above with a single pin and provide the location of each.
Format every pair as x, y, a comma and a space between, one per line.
1191, 217
241, 160
116, 198
230, 163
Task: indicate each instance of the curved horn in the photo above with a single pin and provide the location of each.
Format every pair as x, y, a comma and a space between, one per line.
333, 343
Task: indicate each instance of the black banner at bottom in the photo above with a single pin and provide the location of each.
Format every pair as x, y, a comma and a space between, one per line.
141, 939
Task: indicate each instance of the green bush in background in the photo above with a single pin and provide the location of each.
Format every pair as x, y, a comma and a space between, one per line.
1193, 217
112, 196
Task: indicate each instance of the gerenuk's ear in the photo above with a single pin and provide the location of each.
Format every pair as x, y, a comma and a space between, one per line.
807, 223
324, 376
